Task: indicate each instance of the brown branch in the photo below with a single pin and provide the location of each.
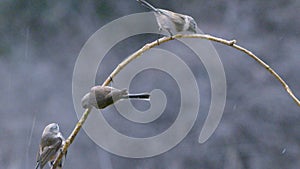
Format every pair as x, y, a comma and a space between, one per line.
262, 63
156, 43
231, 43
147, 47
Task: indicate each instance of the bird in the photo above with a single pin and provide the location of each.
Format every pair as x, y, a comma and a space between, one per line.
50, 145
170, 21
103, 96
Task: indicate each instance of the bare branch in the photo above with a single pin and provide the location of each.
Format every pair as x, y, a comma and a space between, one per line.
231, 43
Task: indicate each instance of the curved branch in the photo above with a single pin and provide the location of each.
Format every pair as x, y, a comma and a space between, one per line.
147, 47
231, 43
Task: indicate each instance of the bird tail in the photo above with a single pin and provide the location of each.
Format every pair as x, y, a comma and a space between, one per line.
145, 3
141, 96
37, 165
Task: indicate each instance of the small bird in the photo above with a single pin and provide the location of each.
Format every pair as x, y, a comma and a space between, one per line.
51, 143
170, 21
101, 97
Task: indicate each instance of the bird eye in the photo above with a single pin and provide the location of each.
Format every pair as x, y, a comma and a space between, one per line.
55, 127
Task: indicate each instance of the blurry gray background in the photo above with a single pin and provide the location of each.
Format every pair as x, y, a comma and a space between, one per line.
40, 41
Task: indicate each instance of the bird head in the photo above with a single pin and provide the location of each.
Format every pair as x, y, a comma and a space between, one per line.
51, 128
192, 25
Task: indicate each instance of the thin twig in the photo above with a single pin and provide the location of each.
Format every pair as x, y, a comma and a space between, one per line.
147, 47
283, 83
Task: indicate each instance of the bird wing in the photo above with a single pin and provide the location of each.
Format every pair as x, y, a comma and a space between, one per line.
176, 18
117, 94
108, 89
100, 91
49, 152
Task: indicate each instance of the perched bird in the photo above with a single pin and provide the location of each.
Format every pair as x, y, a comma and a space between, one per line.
50, 145
101, 97
170, 21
